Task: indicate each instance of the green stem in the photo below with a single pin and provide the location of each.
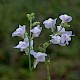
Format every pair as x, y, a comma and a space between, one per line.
30, 68
47, 67
30, 46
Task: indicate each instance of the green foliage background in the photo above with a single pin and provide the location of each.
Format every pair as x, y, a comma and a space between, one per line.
65, 61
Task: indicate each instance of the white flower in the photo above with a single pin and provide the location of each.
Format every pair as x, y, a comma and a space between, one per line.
50, 23
23, 44
19, 31
36, 31
65, 18
40, 57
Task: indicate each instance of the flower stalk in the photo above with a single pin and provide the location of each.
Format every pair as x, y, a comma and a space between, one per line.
30, 46
59, 36
48, 72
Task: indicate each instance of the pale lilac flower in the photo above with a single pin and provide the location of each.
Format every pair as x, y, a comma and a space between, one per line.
50, 23
65, 18
55, 39
60, 30
19, 31
40, 57
62, 39
65, 38
36, 31
23, 44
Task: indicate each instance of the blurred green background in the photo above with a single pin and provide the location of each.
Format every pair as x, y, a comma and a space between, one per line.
65, 61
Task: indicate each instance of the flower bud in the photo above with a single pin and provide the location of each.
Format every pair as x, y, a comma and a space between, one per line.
35, 23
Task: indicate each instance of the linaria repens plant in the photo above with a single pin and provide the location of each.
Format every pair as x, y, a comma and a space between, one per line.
59, 36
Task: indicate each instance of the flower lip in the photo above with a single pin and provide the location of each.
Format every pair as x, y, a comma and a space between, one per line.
36, 31
40, 57
19, 31
24, 44
65, 18
50, 23
55, 39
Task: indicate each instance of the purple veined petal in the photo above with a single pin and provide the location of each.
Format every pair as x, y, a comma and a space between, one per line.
65, 18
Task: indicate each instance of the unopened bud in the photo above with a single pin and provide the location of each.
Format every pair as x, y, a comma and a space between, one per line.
35, 23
